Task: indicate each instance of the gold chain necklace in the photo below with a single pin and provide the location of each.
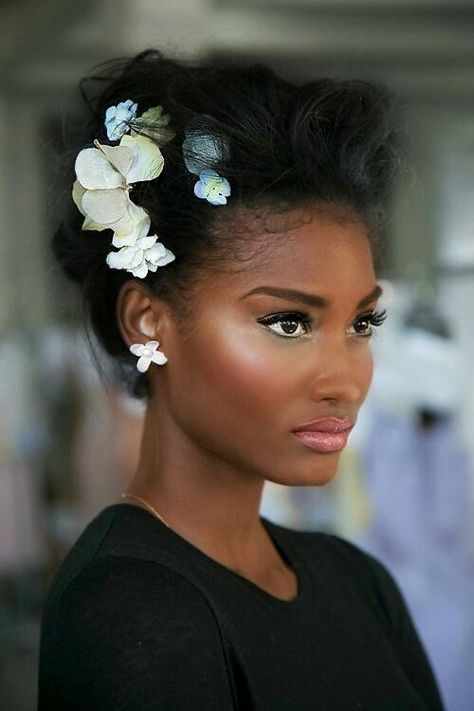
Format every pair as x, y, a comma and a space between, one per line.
148, 506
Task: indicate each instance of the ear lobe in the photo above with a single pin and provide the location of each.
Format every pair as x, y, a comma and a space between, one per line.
137, 313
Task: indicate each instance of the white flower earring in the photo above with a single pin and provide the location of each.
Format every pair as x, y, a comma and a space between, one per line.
147, 353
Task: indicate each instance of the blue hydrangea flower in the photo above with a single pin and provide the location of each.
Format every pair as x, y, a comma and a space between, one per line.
118, 117
212, 187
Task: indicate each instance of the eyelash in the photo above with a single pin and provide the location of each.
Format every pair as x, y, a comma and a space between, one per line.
374, 318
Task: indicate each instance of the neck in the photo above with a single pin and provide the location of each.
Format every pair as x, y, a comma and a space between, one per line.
205, 499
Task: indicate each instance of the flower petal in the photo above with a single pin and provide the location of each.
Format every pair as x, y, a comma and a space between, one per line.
143, 363
95, 172
140, 271
118, 117
225, 187
120, 157
147, 242
200, 189
168, 257
217, 199
117, 260
148, 160
137, 349
135, 257
125, 258
133, 226
159, 358
78, 191
105, 206
159, 255
89, 224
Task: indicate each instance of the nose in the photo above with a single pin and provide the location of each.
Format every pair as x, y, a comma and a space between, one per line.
341, 373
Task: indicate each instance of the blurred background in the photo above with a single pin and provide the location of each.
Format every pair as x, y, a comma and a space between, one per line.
68, 445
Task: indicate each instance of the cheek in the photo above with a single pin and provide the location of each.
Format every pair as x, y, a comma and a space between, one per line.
365, 369
238, 372
228, 376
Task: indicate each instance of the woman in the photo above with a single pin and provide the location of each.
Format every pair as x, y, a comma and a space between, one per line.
225, 250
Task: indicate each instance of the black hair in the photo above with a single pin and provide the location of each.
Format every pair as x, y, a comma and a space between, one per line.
327, 142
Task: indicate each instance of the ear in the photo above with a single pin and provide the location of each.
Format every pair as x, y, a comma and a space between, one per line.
141, 316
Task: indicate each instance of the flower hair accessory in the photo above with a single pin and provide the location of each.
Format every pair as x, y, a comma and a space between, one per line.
200, 152
105, 176
123, 118
117, 119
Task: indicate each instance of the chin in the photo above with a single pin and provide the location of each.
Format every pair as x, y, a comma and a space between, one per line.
318, 473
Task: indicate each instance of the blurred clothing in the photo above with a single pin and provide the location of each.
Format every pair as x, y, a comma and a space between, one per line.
419, 481
22, 443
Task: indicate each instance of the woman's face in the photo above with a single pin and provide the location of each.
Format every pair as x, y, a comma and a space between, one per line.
277, 345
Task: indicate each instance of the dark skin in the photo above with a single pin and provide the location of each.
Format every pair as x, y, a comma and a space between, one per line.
221, 412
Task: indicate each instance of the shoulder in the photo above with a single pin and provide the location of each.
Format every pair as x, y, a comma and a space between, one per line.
371, 574
342, 554
126, 630
346, 553
120, 588
119, 552
380, 590
346, 566
332, 549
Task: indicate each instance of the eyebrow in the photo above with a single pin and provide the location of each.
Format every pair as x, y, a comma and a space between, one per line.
310, 299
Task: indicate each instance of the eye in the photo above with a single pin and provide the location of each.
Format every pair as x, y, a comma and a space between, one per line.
288, 325
365, 324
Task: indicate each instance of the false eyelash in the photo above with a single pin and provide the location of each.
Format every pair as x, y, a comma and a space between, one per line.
376, 318
287, 315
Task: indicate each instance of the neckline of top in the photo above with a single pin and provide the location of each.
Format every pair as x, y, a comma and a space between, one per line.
289, 553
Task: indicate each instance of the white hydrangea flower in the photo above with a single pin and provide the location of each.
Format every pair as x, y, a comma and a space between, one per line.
104, 177
146, 255
118, 117
148, 353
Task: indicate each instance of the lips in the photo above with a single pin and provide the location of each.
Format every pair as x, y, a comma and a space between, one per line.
329, 434
327, 424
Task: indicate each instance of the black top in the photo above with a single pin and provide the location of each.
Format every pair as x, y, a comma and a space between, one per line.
139, 618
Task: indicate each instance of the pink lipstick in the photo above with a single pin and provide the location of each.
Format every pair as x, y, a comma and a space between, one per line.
325, 435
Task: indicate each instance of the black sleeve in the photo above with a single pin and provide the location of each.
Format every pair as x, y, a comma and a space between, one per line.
130, 634
399, 624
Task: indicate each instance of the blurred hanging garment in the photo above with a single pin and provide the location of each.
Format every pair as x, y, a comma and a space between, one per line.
421, 529
419, 478
22, 440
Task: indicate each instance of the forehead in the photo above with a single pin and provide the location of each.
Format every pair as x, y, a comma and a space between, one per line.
310, 252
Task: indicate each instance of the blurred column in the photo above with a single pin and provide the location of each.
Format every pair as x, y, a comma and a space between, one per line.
415, 224
6, 247
27, 276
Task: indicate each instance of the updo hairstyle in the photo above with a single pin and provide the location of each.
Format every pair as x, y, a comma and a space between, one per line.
326, 143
